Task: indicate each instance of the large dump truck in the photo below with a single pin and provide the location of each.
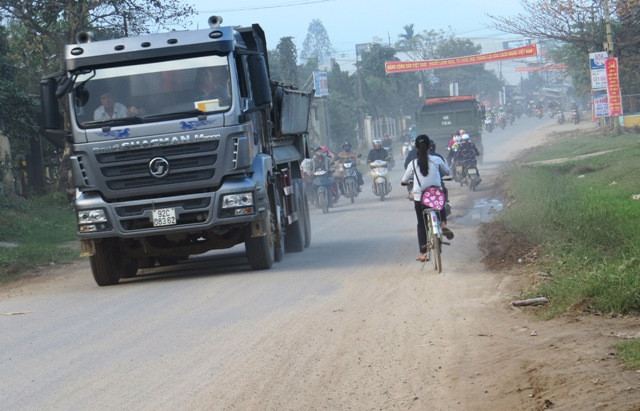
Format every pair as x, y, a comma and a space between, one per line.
180, 144
441, 116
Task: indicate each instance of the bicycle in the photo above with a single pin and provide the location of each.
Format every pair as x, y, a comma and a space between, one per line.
433, 199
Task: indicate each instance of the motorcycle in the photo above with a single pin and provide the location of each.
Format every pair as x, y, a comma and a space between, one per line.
539, 113
560, 117
552, 113
467, 174
379, 174
575, 116
488, 124
323, 190
406, 147
518, 111
348, 178
502, 121
391, 161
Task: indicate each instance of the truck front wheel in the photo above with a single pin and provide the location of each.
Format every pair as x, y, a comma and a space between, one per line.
260, 250
106, 262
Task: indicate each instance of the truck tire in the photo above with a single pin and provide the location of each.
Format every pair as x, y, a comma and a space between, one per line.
277, 224
260, 250
130, 267
106, 263
294, 238
306, 219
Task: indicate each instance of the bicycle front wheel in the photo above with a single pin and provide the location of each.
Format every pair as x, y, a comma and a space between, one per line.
435, 246
436, 254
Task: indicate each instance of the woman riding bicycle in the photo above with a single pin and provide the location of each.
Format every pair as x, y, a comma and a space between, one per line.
425, 171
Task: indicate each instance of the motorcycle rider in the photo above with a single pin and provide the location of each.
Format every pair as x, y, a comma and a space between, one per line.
467, 153
322, 162
575, 109
377, 152
348, 153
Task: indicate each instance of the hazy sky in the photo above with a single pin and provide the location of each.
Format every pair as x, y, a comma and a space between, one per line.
349, 22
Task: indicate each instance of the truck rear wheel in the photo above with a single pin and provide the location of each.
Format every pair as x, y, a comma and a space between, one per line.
306, 219
294, 239
106, 263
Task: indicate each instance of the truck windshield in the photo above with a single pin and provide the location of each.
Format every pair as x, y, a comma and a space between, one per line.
152, 92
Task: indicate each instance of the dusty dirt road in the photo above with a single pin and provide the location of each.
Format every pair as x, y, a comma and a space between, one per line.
353, 322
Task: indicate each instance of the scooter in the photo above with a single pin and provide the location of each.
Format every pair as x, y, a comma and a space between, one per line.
379, 174
575, 116
502, 121
560, 117
348, 178
391, 163
406, 147
539, 113
488, 124
322, 184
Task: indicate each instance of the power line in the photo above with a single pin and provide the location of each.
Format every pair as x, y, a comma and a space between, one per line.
273, 6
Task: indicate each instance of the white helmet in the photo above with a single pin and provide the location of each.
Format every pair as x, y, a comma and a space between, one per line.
465, 137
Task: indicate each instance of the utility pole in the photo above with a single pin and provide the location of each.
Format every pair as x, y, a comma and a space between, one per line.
610, 53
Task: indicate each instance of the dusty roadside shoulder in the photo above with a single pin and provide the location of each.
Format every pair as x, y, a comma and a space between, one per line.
569, 361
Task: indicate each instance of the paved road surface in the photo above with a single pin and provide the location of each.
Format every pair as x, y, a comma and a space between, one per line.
352, 322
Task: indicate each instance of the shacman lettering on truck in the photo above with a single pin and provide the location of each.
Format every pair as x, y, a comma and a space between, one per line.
180, 144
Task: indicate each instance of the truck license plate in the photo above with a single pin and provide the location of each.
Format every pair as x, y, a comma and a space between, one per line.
164, 216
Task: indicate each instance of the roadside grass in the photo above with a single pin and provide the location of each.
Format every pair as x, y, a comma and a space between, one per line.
36, 231
582, 214
572, 143
629, 351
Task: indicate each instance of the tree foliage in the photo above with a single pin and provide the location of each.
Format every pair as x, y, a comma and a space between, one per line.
317, 44
37, 33
579, 25
18, 117
283, 62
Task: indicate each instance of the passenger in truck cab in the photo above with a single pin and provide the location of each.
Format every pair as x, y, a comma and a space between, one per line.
212, 84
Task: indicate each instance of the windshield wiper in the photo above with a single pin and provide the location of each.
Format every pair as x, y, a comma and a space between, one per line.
178, 114
115, 122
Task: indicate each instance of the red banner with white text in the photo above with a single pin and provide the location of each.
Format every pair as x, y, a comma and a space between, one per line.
406, 66
613, 87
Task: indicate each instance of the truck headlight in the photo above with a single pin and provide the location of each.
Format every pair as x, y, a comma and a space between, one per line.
92, 216
237, 200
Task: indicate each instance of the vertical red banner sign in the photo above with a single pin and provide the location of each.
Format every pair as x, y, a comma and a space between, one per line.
613, 87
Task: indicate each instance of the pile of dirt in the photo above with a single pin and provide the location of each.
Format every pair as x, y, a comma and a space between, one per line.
504, 248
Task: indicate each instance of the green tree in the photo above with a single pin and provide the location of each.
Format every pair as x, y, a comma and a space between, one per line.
471, 79
40, 29
283, 62
342, 104
580, 24
317, 44
385, 95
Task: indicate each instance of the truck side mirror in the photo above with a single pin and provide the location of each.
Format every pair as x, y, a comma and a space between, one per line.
260, 86
50, 106
51, 112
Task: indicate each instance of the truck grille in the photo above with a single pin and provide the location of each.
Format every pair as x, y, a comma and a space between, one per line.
130, 169
190, 211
